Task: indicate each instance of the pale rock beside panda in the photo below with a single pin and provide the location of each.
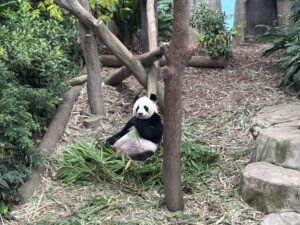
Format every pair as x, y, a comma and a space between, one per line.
142, 134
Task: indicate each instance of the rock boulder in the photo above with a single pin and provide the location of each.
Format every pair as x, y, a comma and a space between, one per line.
285, 218
278, 140
271, 188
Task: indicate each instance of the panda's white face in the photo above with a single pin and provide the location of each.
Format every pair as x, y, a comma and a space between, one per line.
144, 108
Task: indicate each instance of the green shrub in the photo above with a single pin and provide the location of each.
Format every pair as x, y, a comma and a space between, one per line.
285, 38
211, 31
165, 19
37, 54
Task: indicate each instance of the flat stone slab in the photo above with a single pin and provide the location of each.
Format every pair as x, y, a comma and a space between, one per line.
283, 113
271, 188
278, 141
285, 218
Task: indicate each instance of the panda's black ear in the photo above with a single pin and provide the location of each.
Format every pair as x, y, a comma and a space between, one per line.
136, 98
153, 97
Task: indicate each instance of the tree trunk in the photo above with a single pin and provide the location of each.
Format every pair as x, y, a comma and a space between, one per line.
91, 56
177, 56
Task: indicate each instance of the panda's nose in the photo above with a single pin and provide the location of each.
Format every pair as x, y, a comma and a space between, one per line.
140, 114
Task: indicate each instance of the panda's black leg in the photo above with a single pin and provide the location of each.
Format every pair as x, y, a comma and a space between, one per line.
142, 156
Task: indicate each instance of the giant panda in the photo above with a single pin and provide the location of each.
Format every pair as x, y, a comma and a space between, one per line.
142, 134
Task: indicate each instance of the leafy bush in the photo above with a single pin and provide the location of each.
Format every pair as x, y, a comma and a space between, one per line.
84, 161
165, 19
288, 39
37, 55
211, 31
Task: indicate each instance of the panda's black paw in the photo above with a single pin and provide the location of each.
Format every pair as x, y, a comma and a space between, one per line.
142, 156
111, 140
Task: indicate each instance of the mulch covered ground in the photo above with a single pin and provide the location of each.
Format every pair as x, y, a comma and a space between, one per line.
219, 102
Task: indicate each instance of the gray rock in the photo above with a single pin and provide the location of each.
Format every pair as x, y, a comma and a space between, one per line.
279, 144
278, 141
285, 218
277, 114
296, 79
271, 188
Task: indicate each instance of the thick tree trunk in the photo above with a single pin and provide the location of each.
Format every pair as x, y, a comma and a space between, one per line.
91, 56
110, 41
177, 57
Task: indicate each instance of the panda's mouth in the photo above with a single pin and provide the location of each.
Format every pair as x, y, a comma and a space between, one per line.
141, 116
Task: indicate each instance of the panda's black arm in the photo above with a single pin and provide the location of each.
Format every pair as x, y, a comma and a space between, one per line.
121, 133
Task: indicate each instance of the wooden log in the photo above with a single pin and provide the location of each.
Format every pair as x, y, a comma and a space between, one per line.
146, 59
152, 39
91, 55
77, 80
50, 139
195, 61
94, 81
111, 41
201, 62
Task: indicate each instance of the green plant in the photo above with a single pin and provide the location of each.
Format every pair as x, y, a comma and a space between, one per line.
211, 31
125, 14
287, 39
165, 19
37, 54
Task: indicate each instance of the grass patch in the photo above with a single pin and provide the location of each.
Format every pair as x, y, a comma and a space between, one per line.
86, 161
89, 212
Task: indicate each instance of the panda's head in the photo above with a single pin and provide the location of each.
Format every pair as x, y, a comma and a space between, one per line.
145, 107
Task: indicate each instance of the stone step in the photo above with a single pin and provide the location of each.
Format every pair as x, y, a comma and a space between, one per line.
278, 139
271, 188
285, 218
280, 145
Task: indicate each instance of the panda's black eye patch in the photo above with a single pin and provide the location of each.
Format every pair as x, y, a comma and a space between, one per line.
137, 108
146, 108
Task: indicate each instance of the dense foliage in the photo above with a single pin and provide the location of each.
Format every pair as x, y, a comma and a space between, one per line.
286, 38
211, 30
164, 19
37, 54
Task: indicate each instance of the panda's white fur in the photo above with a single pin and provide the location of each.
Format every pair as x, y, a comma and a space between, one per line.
132, 143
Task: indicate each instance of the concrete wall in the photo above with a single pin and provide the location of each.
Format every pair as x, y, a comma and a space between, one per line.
240, 14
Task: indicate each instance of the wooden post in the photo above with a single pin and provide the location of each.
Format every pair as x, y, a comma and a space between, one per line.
152, 38
91, 56
177, 56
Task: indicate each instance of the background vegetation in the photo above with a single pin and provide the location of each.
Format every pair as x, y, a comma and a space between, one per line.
287, 40
211, 31
38, 52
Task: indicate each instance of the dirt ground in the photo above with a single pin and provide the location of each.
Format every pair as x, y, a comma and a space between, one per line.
221, 104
